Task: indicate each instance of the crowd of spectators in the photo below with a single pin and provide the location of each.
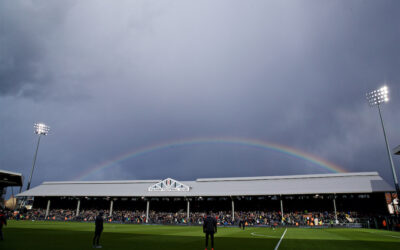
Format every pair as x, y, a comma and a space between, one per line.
224, 218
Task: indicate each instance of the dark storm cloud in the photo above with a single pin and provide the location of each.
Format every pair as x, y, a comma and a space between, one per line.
112, 77
25, 28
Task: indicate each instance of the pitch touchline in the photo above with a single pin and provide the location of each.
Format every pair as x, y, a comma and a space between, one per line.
283, 235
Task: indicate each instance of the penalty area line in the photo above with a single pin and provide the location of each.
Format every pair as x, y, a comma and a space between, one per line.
279, 242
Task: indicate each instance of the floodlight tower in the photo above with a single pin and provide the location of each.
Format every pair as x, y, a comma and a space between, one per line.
40, 129
375, 98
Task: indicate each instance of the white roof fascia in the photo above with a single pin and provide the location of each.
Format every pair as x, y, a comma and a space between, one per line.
287, 177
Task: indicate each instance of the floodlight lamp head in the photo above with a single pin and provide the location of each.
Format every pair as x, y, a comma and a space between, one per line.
378, 96
41, 129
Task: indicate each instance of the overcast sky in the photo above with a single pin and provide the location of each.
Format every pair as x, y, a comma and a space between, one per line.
110, 77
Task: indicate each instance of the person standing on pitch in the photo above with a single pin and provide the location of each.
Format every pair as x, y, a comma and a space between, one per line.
210, 228
98, 230
3, 220
242, 223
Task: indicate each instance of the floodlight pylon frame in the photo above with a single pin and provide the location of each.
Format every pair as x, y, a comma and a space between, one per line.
376, 98
40, 129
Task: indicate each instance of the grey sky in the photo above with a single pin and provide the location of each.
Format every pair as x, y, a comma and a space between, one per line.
113, 76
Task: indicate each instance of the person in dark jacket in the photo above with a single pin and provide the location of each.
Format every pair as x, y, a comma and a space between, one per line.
3, 221
242, 223
98, 230
210, 228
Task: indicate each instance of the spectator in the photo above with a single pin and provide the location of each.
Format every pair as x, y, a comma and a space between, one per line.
3, 221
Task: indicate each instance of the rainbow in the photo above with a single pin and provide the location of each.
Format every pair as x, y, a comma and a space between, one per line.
214, 140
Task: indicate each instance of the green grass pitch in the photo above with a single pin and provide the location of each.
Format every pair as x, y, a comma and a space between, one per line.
75, 235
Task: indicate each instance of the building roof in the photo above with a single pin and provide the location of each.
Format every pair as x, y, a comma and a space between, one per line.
8, 178
397, 150
365, 182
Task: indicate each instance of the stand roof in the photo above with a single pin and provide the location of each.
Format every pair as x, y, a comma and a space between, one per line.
397, 150
8, 178
364, 182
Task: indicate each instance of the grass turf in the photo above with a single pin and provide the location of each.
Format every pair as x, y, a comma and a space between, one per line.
74, 235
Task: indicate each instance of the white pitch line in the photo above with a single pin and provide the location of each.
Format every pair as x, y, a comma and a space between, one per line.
262, 235
388, 235
277, 245
392, 236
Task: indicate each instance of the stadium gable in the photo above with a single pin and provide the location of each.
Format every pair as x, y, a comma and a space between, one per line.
169, 185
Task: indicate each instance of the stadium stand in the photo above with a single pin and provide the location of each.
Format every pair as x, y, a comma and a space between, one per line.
297, 200
252, 218
8, 179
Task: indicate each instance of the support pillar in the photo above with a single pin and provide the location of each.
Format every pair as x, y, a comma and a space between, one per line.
281, 209
188, 211
147, 211
78, 207
334, 207
111, 207
48, 208
233, 210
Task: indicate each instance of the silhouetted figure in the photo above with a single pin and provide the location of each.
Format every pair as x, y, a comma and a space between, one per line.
98, 230
3, 221
210, 228
242, 223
